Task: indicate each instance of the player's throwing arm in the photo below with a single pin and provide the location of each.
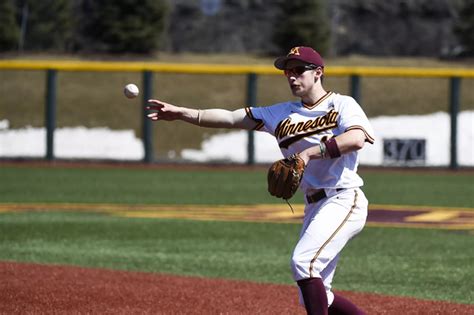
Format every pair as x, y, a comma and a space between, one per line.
211, 118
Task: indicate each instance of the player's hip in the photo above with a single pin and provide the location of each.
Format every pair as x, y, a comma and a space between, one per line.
351, 199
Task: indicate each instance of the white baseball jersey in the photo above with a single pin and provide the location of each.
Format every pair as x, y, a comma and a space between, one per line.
297, 126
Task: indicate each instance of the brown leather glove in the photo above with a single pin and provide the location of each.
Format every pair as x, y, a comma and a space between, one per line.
284, 176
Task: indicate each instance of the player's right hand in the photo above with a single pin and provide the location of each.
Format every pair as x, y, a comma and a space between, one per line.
162, 110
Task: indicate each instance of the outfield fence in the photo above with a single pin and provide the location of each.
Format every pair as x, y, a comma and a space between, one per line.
252, 72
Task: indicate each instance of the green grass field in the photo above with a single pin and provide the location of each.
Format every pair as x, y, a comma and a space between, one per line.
424, 263
234, 186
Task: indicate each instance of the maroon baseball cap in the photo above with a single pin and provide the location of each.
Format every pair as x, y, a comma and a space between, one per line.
305, 54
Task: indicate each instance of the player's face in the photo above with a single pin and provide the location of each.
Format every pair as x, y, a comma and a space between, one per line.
301, 77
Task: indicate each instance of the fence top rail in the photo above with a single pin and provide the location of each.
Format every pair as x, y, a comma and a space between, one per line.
189, 68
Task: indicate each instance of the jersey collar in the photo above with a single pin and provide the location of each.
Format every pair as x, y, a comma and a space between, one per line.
318, 102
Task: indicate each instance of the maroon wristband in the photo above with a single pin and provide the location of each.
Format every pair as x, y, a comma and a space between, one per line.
332, 148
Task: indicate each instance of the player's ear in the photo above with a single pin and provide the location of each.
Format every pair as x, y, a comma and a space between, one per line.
318, 73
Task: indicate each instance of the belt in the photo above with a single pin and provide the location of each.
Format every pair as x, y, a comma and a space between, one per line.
319, 195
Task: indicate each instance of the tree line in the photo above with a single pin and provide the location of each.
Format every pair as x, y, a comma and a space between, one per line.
139, 26
111, 26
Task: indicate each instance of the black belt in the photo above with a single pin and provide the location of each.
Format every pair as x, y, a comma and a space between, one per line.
319, 195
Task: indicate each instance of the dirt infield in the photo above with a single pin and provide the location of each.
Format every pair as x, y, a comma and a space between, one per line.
43, 289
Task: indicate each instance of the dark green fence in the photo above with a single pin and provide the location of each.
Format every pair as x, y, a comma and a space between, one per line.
355, 74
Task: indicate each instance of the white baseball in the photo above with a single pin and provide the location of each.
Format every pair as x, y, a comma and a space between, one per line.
131, 90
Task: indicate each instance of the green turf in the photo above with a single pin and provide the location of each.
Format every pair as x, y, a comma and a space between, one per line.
148, 186
160, 186
449, 189
431, 264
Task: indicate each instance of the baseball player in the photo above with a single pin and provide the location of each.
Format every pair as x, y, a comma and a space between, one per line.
326, 130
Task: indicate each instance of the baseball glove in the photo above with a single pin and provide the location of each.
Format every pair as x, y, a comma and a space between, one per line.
284, 176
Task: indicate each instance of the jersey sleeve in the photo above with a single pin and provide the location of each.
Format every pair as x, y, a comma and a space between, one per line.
353, 117
262, 116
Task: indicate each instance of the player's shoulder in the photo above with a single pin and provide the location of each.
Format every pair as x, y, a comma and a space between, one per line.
270, 112
341, 101
282, 107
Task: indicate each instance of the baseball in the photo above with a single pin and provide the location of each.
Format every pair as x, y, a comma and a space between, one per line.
131, 90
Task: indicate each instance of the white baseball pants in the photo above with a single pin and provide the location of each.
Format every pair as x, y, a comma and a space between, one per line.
327, 227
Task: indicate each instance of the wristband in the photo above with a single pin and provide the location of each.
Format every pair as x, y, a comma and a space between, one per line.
322, 148
332, 148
